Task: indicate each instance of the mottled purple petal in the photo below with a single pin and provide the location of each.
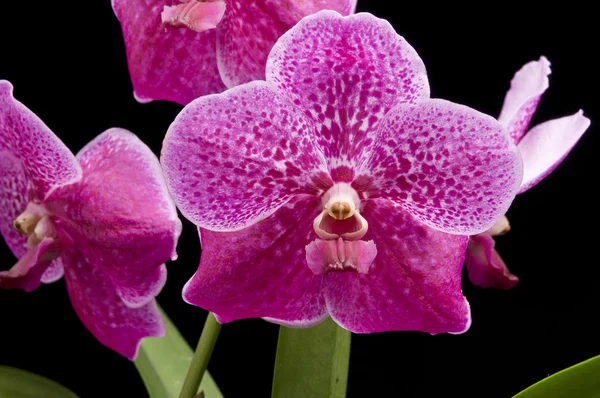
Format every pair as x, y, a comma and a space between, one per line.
546, 145
346, 73
485, 266
234, 158
261, 271
46, 161
26, 274
13, 201
521, 101
166, 63
122, 214
450, 166
250, 28
102, 311
413, 284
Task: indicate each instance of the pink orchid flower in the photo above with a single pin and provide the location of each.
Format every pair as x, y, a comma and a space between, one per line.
102, 218
181, 50
337, 187
542, 148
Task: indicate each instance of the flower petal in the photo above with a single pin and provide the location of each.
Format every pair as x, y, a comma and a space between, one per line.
485, 266
250, 28
347, 72
54, 272
413, 283
234, 158
46, 161
166, 63
546, 145
521, 101
451, 167
13, 201
26, 274
261, 271
122, 214
102, 311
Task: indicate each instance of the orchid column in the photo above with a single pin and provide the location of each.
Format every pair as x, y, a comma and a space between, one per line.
337, 188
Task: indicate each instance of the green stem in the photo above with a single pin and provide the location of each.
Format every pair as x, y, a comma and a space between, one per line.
312, 362
204, 350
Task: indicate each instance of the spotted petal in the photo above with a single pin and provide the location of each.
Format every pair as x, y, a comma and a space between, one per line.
347, 72
13, 201
261, 271
165, 62
521, 101
250, 28
232, 159
413, 284
122, 215
546, 145
46, 161
451, 167
102, 311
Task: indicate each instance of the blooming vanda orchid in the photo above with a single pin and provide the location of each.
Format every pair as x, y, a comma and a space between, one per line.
181, 50
542, 148
337, 186
102, 218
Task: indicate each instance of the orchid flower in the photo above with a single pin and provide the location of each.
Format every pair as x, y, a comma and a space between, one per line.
102, 218
542, 148
337, 187
178, 51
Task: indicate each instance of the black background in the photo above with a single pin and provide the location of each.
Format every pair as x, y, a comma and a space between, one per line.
67, 63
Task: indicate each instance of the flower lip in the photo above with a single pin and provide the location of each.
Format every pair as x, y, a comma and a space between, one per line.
340, 216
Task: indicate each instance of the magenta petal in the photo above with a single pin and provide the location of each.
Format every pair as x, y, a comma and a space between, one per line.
102, 311
166, 63
122, 214
261, 271
234, 158
13, 201
26, 274
413, 284
521, 101
46, 161
250, 28
347, 72
485, 266
546, 145
450, 166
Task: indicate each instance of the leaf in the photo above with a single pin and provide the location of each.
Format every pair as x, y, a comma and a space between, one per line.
312, 362
163, 363
18, 383
580, 381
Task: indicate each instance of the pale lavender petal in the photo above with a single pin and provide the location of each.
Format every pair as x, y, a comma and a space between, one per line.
46, 161
521, 101
546, 145
54, 272
261, 271
485, 266
347, 73
104, 314
166, 63
122, 214
234, 158
413, 284
450, 166
250, 28
26, 274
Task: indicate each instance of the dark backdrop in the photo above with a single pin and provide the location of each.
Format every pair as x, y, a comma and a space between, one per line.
67, 63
